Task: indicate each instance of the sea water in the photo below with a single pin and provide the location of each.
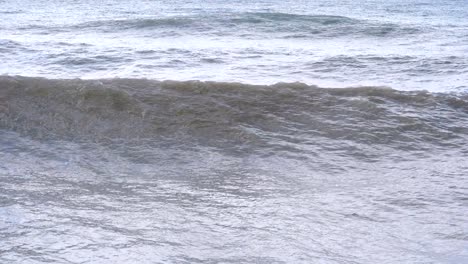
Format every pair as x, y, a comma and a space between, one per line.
233, 131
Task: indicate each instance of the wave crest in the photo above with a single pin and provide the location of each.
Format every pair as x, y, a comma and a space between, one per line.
288, 25
229, 113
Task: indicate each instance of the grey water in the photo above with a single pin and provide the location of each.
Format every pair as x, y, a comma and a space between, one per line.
410, 45
233, 132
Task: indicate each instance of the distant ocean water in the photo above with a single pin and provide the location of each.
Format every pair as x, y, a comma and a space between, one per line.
233, 132
409, 45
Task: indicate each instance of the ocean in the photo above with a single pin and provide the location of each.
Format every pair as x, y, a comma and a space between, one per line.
234, 131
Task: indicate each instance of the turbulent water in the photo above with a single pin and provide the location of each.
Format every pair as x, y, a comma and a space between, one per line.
214, 132
411, 45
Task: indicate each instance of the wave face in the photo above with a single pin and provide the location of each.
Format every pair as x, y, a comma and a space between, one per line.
282, 115
246, 25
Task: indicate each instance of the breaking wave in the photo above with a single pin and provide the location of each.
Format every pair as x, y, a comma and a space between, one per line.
231, 114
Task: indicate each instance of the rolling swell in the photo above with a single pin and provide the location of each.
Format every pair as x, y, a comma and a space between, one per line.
290, 25
230, 114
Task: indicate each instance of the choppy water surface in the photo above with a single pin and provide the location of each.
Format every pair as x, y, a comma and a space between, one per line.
409, 45
135, 169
